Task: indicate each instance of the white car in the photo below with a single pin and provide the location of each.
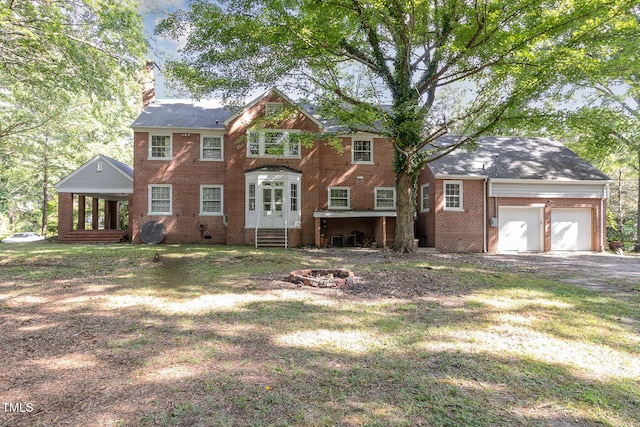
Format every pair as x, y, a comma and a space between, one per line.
23, 237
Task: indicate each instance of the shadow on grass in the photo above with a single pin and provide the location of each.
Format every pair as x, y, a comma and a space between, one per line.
302, 358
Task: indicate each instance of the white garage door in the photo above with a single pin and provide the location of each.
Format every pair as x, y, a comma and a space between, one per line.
520, 229
571, 229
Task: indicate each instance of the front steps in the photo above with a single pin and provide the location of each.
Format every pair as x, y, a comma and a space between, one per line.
271, 238
95, 236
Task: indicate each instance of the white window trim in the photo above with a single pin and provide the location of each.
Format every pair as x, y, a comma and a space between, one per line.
170, 199
268, 112
261, 144
291, 184
348, 198
202, 158
202, 212
423, 188
353, 140
444, 194
150, 151
375, 195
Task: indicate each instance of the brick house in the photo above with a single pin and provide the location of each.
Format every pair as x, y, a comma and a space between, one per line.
209, 175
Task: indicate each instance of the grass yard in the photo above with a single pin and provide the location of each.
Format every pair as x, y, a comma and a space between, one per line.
97, 335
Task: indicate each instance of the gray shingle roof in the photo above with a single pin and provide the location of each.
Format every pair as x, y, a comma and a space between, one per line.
516, 158
175, 114
122, 166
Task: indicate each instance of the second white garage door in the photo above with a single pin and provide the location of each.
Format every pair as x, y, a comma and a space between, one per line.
571, 229
520, 229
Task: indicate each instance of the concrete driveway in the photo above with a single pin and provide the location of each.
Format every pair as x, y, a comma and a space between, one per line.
606, 272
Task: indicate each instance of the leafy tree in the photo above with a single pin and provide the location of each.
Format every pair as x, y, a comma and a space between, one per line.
391, 65
594, 105
68, 74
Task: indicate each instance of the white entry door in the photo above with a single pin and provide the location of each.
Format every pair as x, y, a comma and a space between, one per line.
571, 229
520, 229
272, 204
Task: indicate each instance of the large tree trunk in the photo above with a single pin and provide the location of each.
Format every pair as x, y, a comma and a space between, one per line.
45, 188
405, 210
636, 248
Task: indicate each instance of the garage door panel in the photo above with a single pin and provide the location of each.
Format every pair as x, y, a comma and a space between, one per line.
520, 229
571, 229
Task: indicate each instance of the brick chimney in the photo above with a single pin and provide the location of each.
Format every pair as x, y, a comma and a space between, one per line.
148, 85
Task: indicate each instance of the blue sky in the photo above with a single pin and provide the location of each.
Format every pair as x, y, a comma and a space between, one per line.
153, 11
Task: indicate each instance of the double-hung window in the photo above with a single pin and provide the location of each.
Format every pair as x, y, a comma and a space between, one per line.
424, 199
273, 143
339, 198
362, 151
160, 199
294, 197
211, 148
160, 147
252, 197
211, 200
385, 198
453, 195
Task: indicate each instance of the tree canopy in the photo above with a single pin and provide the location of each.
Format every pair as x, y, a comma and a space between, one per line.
595, 106
415, 70
68, 83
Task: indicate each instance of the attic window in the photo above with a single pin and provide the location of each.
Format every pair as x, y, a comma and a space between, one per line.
99, 167
272, 109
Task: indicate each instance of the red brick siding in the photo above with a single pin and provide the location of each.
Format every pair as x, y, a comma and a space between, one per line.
459, 231
321, 167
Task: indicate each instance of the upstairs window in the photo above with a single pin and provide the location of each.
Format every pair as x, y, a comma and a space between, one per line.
211, 148
339, 198
453, 195
385, 198
273, 143
362, 151
160, 147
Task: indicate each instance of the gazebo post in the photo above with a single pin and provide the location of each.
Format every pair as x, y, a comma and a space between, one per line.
82, 214
94, 213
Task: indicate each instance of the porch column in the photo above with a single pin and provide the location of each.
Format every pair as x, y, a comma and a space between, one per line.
65, 214
318, 225
94, 213
113, 214
107, 214
384, 232
82, 214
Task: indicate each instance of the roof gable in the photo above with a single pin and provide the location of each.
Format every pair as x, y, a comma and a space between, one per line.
100, 175
268, 94
515, 158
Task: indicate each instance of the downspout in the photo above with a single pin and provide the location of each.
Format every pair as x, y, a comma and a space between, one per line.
484, 215
603, 224
603, 216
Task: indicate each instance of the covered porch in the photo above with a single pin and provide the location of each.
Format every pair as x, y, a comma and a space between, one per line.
93, 202
355, 228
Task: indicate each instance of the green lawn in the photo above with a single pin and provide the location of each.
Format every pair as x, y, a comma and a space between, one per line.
213, 336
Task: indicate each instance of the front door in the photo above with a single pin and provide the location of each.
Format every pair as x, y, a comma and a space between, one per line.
272, 204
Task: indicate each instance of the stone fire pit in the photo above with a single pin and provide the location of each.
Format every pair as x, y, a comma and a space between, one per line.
322, 278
